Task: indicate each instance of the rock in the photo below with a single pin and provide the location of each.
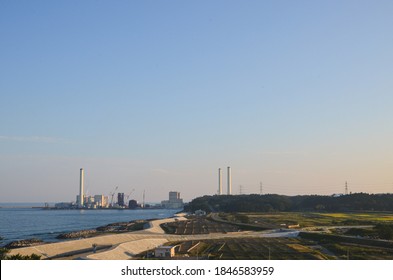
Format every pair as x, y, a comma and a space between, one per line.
77, 234
24, 243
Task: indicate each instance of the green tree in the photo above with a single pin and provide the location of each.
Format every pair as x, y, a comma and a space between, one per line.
3, 253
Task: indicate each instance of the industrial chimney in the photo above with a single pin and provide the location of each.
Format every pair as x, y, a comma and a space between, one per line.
219, 181
229, 181
81, 194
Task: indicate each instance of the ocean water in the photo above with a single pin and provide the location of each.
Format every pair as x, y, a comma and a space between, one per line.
25, 223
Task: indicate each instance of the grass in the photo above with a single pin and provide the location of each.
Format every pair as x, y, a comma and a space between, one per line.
312, 219
358, 252
343, 243
366, 217
248, 249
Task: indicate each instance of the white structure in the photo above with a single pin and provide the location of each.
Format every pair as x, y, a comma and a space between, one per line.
174, 201
81, 193
200, 213
101, 201
219, 181
229, 181
164, 252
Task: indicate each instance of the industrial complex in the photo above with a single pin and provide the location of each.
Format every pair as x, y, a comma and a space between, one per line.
100, 201
120, 200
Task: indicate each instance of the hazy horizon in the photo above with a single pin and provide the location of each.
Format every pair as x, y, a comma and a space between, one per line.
156, 96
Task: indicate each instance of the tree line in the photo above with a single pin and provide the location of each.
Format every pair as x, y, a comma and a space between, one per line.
283, 203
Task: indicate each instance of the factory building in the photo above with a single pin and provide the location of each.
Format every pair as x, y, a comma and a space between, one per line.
120, 199
164, 252
174, 201
101, 201
132, 204
97, 201
78, 201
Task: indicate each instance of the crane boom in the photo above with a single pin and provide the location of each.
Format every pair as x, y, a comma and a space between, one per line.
128, 195
112, 194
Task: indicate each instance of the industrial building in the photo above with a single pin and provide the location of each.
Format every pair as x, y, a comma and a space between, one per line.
100, 201
120, 199
174, 201
164, 252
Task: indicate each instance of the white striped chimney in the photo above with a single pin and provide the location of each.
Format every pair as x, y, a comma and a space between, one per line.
219, 181
229, 181
81, 193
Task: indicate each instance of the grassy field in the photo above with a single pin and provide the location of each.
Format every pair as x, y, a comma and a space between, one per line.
310, 219
248, 249
343, 240
198, 225
276, 249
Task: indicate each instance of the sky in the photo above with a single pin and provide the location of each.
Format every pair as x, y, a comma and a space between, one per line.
157, 95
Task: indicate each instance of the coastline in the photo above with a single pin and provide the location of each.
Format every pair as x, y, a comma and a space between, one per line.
112, 228
31, 223
144, 239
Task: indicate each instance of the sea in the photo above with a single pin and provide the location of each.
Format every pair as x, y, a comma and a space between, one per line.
24, 221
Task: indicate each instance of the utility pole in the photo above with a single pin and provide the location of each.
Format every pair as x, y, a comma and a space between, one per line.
260, 188
346, 188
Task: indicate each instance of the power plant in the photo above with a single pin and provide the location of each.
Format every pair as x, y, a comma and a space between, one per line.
83, 201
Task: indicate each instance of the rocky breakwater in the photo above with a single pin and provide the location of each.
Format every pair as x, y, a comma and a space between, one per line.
110, 228
77, 234
24, 243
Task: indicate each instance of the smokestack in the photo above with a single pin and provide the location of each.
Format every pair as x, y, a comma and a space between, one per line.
229, 181
219, 181
81, 194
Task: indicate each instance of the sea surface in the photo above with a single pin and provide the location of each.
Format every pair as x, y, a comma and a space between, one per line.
24, 222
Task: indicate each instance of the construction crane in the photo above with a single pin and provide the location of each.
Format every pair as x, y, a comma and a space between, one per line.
128, 195
112, 194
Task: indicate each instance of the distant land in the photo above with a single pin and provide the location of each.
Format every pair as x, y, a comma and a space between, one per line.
282, 203
23, 204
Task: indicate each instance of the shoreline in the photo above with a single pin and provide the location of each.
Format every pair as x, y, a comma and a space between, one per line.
112, 228
143, 239
107, 229
46, 225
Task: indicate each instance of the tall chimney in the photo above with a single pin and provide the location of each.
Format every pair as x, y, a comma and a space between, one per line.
81, 194
219, 181
229, 181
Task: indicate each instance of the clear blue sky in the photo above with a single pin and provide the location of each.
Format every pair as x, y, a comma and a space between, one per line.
157, 95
